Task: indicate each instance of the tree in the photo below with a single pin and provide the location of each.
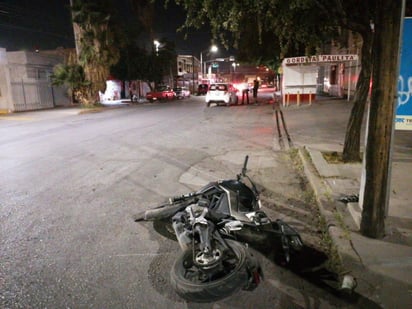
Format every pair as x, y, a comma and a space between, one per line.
164, 60
71, 76
138, 64
96, 51
264, 51
385, 60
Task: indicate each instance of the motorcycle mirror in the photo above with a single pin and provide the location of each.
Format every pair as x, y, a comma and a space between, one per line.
244, 169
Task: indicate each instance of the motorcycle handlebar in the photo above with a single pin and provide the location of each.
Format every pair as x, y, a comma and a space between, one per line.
182, 197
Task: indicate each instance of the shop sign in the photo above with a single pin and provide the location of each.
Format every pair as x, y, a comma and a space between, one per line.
320, 59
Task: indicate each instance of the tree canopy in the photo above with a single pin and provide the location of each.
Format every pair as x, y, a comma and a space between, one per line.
286, 27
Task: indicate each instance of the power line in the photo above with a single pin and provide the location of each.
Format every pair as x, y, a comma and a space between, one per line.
37, 31
26, 16
26, 22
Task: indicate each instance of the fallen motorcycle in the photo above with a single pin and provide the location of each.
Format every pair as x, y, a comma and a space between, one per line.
214, 227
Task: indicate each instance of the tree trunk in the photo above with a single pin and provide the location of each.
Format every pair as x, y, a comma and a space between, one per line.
97, 74
381, 119
351, 148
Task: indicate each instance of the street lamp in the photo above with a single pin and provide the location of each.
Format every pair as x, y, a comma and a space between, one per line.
156, 44
212, 49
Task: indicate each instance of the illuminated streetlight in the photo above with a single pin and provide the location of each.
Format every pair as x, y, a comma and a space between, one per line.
157, 44
212, 49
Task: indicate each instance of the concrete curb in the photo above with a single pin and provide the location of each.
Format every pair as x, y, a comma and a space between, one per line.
326, 208
92, 110
101, 108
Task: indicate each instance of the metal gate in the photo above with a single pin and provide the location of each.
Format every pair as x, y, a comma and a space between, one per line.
32, 95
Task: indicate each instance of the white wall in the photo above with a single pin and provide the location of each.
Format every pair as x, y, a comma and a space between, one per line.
300, 78
25, 79
5, 99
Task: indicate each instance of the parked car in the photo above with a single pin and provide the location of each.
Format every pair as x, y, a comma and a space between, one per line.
161, 93
181, 92
221, 93
202, 89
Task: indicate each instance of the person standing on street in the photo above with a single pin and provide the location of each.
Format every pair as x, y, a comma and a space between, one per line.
255, 90
245, 92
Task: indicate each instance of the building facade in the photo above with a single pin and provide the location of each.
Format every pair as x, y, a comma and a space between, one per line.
25, 81
187, 72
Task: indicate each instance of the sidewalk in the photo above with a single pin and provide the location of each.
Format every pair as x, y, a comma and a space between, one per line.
62, 111
383, 267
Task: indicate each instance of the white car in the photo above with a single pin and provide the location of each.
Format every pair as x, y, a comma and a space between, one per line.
182, 92
224, 93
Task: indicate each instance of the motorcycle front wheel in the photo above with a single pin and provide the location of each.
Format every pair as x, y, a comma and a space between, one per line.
194, 284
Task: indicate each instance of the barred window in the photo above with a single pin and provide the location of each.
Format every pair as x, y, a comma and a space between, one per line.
37, 73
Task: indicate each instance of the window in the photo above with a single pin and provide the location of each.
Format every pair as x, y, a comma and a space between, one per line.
219, 87
36, 73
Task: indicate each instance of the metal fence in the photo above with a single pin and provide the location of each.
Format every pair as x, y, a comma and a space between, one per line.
32, 95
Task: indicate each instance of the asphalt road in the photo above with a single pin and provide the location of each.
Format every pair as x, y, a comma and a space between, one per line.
71, 183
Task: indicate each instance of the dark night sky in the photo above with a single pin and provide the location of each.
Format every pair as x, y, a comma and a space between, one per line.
27, 25
46, 24
171, 19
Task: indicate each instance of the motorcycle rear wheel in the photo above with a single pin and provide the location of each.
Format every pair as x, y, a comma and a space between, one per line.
187, 282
